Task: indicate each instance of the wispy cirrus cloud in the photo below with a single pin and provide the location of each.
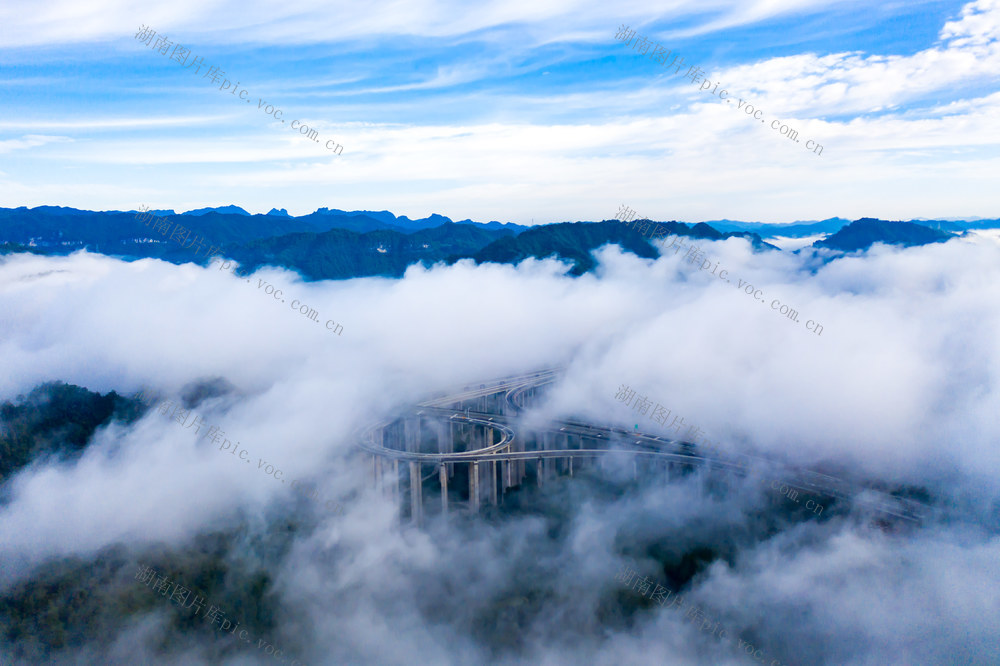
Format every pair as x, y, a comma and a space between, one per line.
30, 141
516, 121
313, 21
165, 121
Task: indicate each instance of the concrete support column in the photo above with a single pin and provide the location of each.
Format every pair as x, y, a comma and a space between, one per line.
541, 472
395, 484
474, 487
443, 475
449, 440
398, 442
522, 465
571, 466
493, 483
416, 494
411, 433
548, 444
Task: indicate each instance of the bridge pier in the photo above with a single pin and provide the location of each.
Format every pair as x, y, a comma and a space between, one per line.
395, 484
380, 464
411, 433
474, 487
449, 441
493, 483
416, 495
443, 475
517, 444
550, 466
445, 442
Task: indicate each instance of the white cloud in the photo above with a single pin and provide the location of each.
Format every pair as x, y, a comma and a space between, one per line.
900, 386
315, 21
908, 136
116, 123
29, 141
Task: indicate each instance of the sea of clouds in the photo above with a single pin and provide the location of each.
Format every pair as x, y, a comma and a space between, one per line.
903, 386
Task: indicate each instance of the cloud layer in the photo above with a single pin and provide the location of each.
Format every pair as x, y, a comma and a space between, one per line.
901, 388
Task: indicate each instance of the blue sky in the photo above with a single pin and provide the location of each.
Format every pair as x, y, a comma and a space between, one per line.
511, 111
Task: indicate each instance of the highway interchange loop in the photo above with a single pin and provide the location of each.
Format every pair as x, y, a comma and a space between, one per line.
501, 451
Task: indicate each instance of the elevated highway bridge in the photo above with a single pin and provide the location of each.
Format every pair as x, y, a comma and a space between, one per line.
476, 438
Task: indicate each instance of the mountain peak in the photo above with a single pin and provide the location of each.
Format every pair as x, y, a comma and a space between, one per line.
224, 210
862, 234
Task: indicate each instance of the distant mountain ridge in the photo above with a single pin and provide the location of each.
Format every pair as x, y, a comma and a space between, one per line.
335, 244
794, 230
342, 253
222, 210
835, 224
575, 241
862, 234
